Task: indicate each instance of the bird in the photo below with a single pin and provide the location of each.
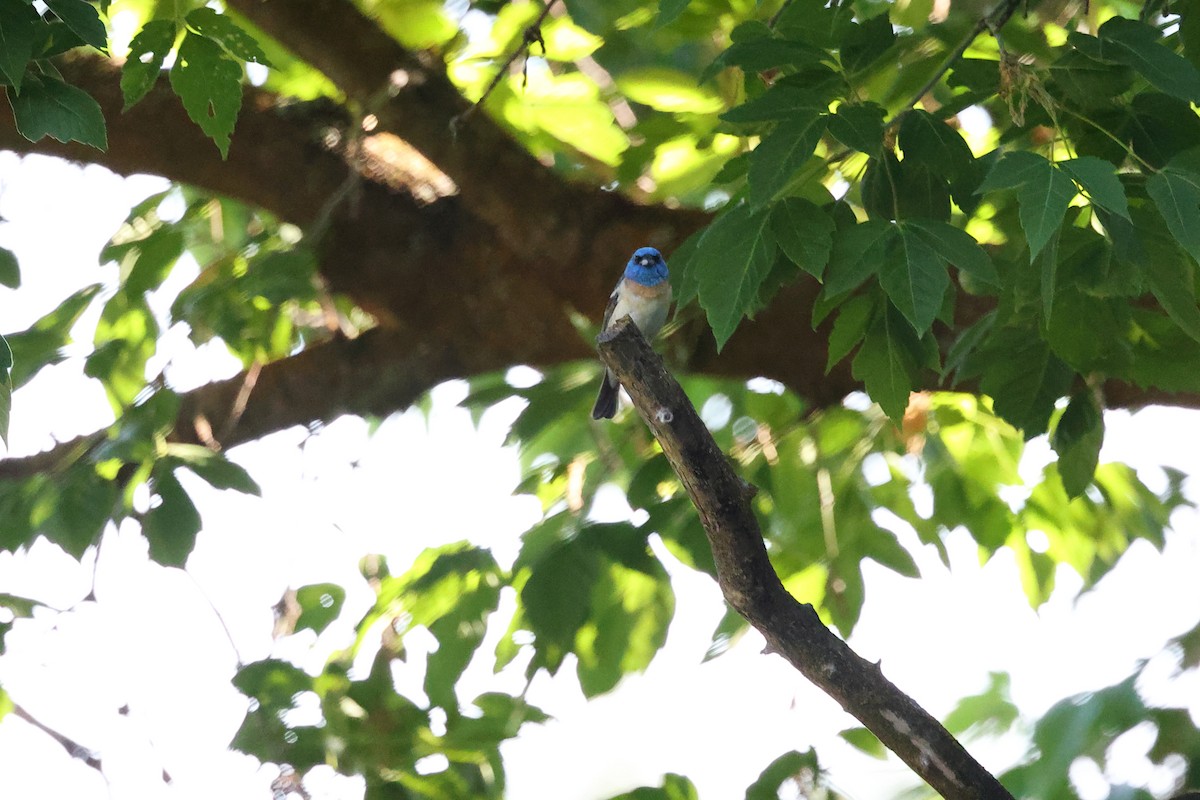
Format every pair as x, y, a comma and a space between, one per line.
644, 294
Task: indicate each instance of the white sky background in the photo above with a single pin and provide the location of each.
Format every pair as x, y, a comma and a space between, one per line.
151, 640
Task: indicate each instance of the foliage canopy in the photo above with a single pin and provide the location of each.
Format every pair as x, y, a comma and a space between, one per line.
994, 236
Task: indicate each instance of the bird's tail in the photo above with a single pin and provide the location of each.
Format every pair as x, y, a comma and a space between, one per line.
606, 401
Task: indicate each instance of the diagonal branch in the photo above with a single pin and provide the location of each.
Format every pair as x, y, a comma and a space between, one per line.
751, 586
376, 374
531, 207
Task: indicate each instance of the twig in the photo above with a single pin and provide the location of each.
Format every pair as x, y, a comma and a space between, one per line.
752, 587
775, 17
533, 34
241, 399
74, 749
995, 21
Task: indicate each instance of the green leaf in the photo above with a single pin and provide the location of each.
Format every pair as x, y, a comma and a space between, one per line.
557, 599
815, 22
54, 39
675, 787
172, 525
18, 25
1173, 282
1099, 179
990, 712
215, 468
81, 17
880, 183
41, 344
1090, 82
894, 190
147, 51
931, 142
859, 126
631, 611
126, 337
780, 102
669, 11
863, 740
272, 683
1161, 128
1043, 204
1140, 46
1049, 275
668, 90
781, 153
1043, 194
1023, 377
320, 604
914, 277
281, 275
1013, 170
1077, 439
1175, 189
10, 270
84, 505
858, 254
887, 362
459, 634
733, 258
49, 107
225, 32
770, 782
957, 247
153, 257
849, 328
210, 85
866, 42
804, 233
756, 55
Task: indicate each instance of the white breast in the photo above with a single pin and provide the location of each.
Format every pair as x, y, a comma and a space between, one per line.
648, 312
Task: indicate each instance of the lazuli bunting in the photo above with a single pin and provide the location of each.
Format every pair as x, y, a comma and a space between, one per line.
644, 293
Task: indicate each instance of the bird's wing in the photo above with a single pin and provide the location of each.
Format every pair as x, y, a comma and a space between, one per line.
612, 305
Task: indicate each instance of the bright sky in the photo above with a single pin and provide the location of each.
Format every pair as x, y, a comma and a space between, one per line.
151, 640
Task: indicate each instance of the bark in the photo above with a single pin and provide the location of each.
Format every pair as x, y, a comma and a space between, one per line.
751, 586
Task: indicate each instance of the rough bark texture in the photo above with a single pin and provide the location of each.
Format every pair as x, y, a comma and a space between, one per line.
751, 586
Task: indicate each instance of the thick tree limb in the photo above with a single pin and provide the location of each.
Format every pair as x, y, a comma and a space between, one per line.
751, 586
377, 373
531, 208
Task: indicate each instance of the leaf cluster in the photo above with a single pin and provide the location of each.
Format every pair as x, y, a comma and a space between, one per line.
1079, 202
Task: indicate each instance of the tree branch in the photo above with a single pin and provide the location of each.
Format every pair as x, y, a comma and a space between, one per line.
533, 34
531, 207
995, 19
156, 136
751, 586
74, 749
374, 374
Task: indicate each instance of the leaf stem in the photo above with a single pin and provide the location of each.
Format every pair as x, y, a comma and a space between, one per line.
1146, 166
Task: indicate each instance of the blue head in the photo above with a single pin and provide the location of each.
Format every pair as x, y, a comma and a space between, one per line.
647, 267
